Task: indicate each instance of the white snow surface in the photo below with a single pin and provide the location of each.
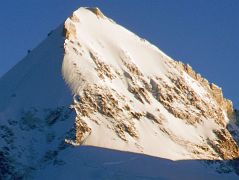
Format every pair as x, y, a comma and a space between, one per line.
111, 43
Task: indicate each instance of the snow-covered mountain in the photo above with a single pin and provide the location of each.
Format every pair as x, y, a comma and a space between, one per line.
95, 101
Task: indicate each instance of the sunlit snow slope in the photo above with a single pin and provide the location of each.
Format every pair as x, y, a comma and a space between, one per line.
131, 96
94, 83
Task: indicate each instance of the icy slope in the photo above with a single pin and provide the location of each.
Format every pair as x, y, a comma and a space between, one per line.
92, 82
131, 96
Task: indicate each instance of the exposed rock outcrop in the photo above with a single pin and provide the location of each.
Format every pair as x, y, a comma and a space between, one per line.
215, 90
97, 12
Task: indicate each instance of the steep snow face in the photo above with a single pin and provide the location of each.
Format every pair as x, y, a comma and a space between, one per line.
128, 95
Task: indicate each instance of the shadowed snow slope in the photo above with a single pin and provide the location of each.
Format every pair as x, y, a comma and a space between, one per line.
100, 163
94, 83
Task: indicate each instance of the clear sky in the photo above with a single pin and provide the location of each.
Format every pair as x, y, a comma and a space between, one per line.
203, 33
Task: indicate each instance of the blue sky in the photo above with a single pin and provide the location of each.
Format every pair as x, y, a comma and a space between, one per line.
202, 33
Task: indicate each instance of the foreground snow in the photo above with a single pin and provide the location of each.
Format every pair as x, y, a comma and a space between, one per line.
99, 163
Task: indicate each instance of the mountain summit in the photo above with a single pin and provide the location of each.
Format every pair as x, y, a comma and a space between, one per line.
93, 87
